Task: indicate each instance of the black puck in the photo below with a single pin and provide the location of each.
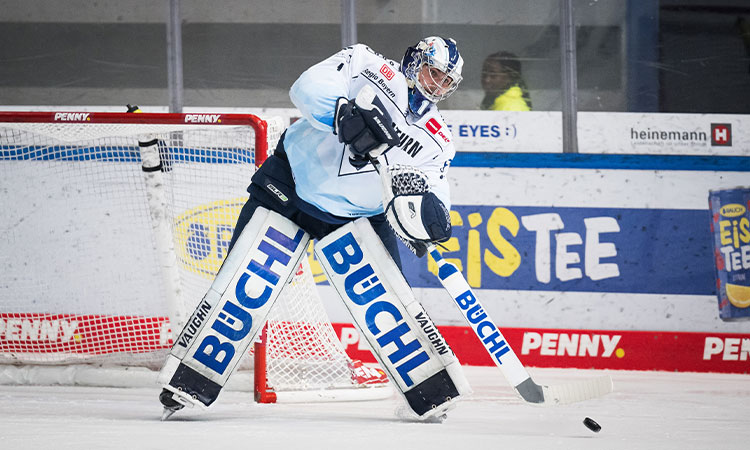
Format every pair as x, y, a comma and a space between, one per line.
591, 424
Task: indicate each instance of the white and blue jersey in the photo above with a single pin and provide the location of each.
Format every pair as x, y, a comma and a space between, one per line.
320, 164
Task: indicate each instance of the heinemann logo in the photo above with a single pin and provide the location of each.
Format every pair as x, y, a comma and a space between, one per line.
668, 135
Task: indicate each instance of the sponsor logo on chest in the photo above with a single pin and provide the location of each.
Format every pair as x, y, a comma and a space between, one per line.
387, 72
434, 127
381, 78
410, 145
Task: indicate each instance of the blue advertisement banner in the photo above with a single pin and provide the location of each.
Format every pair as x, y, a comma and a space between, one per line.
655, 251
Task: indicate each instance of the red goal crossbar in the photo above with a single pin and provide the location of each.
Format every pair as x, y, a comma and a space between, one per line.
259, 125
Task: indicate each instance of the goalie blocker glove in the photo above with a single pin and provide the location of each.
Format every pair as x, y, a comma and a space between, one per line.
365, 125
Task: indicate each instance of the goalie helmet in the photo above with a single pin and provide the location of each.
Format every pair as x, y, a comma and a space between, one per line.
433, 70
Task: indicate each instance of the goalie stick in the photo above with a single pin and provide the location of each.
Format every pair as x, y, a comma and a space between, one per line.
502, 354
492, 338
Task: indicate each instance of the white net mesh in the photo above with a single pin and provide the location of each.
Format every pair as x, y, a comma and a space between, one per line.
77, 222
83, 279
303, 350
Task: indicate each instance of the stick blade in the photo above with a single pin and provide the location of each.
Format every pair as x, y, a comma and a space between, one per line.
577, 391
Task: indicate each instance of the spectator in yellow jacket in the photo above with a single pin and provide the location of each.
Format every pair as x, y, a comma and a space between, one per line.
504, 88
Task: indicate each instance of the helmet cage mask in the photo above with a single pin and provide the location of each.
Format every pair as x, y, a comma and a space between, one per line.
437, 53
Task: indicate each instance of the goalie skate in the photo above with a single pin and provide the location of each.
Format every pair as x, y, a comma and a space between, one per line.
172, 403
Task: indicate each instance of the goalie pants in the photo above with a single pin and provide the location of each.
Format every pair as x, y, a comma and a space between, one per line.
272, 186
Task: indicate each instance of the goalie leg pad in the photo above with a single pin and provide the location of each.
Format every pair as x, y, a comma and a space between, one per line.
402, 336
229, 317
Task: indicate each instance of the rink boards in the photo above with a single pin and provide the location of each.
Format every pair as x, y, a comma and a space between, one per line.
584, 260
672, 351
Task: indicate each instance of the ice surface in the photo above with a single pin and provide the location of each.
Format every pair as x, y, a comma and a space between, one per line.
648, 410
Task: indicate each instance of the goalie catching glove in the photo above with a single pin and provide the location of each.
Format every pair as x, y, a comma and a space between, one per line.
414, 213
365, 125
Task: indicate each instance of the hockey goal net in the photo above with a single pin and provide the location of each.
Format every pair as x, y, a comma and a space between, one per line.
114, 226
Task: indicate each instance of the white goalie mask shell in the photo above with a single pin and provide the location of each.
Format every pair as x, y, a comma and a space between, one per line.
435, 52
